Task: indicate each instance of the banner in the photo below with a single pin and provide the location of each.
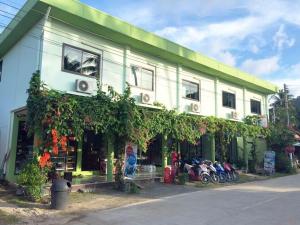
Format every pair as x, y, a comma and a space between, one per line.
269, 162
130, 160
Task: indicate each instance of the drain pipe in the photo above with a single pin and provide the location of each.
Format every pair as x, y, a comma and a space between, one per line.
40, 47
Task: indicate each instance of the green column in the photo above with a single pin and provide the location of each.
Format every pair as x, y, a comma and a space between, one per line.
245, 153
212, 148
10, 173
79, 157
164, 160
110, 159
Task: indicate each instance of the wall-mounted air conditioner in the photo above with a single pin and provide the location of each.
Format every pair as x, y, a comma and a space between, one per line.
146, 98
234, 115
195, 107
84, 86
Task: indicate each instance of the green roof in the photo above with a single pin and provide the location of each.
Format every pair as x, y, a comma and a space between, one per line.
93, 20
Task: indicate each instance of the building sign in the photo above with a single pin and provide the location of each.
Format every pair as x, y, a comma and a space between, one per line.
130, 160
269, 162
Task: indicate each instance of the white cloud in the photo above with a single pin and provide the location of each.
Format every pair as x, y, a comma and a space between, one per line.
227, 58
281, 39
293, 84
261, 66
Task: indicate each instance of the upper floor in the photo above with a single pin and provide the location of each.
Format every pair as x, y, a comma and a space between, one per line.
82, 46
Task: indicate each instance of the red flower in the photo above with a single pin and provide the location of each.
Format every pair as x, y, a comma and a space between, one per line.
44, 159
63, 143
55, 149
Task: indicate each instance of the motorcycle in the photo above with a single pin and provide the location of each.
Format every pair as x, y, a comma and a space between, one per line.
220, 172
198, 172
212, 171
231, 172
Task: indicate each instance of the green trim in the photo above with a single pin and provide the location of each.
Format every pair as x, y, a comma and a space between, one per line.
110, 160
245, 153
79, 157
216, 84
10, 175
95, 21
212, 148
85, 173
178, 70
164, 159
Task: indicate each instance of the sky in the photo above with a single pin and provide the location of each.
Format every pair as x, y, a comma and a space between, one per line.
258, 37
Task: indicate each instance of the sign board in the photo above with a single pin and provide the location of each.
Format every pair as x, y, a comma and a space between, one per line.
269, 162
130, 160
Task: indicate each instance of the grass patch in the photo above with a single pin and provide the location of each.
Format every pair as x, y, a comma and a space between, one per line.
7, 219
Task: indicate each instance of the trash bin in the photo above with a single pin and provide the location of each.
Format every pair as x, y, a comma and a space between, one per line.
60, 193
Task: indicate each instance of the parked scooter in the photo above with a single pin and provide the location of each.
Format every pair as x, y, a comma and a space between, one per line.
220, 172
198, 172
232, 174
212, 171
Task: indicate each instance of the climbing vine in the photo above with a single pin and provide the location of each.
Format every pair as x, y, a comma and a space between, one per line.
56, 117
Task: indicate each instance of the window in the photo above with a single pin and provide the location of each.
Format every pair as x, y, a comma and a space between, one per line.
228, 99
255, 106
1, 63
190, 90
142, 78
80, 61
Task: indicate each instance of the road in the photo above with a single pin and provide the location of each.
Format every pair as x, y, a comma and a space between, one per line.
270, 202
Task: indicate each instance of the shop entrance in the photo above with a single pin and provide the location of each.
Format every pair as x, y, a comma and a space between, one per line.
189, 151
153, 154
24, 150
94, 151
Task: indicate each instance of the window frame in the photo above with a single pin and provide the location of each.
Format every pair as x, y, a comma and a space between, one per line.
100, 64
143, 68
193, 82
1, 69
257, 101
226, 106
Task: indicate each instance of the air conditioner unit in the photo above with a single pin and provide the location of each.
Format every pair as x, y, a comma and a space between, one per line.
234, 115
146, 98
84, 86
195, 107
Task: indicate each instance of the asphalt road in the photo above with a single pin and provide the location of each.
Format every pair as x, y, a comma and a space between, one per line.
270, 202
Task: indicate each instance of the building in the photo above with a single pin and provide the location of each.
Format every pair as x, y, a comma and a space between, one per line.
63, 38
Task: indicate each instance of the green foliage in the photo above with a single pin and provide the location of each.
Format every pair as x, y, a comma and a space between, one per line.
33, 177
283, 163
280, 137
119, 117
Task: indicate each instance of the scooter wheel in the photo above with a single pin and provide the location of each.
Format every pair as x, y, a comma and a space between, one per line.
222, 178
235, 176
214, 178
205, 179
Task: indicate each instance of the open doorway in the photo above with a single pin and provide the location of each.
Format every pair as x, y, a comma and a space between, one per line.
94, 152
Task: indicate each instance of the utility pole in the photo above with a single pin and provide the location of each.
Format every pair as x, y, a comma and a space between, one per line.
286, 90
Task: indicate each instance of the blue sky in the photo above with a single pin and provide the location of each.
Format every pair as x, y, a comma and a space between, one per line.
259, 37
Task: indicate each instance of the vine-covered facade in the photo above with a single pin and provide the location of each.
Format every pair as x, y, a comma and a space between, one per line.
99, 82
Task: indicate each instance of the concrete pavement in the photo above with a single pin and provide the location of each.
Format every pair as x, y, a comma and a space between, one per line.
270, 202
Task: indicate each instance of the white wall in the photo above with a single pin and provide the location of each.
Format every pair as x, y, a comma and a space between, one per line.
115, 70
225, 112
207, 94
164, 79
255, 96
58, 33
18, 65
